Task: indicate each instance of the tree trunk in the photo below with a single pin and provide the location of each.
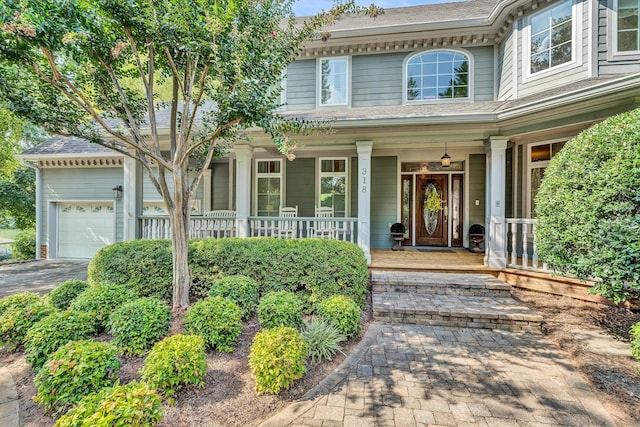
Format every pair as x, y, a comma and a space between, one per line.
180, 217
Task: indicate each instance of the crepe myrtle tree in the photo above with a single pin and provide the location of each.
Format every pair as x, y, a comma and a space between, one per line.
96, 69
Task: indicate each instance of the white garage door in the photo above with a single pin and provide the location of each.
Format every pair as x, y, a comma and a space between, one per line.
84, 228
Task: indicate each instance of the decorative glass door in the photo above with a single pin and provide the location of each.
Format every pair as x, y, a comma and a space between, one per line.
431, 213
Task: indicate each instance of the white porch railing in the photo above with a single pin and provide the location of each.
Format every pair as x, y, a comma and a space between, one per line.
521, 245
157, 227
300, 227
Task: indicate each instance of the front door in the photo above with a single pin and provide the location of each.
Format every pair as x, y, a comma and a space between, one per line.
431, 210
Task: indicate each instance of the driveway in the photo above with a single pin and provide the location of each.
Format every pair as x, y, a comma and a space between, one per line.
39, 276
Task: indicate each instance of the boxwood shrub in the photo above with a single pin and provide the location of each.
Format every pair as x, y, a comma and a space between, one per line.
280, 308
62, 296
588, 207
312, 268
174, 362
133, 404
16, 321
242, 290
342, 313
216, 320
277, 359
100, 301
142, 265
54, 331
73, 371
137, 325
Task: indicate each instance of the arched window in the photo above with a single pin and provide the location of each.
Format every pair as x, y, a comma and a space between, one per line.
439, 74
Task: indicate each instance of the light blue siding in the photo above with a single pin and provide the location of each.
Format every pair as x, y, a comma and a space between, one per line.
477, 177
377, 80
301, 85
483, 72
384, 199
620, 64
505, 67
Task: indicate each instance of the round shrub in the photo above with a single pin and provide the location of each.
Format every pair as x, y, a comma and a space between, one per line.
24, 246
139, 324
634, 335
588, 207
280, 308
242, 290
342, 313
18, 300
216, 320
62, 296
16, 321
100, 301
174, 362
277, 359
142, 265
54, 331
322, 339
73, 371
134, 404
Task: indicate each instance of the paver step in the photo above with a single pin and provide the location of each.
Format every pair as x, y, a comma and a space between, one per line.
424, 283
454, 310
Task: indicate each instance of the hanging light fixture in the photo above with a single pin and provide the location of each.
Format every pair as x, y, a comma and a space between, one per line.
445, 160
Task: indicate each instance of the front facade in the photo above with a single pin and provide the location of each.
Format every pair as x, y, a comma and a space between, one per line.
499, 89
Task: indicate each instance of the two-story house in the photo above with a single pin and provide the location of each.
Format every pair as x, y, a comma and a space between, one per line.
460, 104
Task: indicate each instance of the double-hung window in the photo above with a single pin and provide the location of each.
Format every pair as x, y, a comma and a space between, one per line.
333, 185
269, 187
551, 37
333, 81
436, 75
627, 28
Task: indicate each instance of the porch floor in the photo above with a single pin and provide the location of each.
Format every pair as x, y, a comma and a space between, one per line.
445, 260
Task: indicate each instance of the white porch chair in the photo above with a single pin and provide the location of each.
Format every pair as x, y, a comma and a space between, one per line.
288, 229
222, 223
324, 228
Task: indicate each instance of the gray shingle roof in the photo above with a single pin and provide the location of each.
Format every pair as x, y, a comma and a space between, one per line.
423, 14
66, 145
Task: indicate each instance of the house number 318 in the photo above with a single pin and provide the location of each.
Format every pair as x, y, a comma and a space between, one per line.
364, 180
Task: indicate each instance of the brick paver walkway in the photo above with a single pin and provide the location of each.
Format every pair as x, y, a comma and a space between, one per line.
412, 375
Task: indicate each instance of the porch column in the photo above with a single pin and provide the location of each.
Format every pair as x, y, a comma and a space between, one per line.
132, 198
495, 231
244, 154
364, 197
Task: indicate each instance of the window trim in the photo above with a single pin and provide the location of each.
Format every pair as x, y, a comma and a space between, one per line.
471, 85
346, 174
259, 175
612, 37
283, 91
576, 44
529, 166
347, 102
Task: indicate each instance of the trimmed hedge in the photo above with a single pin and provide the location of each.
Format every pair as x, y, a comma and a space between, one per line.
54, 331
16, 321
242, 290
280, 308
588, 207
137, 325
73, 371
216, 320
133, 404
342, 313
142, 265
312, 268
100, 301
62, 296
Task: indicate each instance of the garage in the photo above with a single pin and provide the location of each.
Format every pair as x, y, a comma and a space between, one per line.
84, 228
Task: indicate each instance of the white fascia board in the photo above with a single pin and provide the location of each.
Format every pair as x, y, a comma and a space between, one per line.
31, 157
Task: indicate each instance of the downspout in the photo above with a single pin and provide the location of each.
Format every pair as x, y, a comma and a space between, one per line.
38, 170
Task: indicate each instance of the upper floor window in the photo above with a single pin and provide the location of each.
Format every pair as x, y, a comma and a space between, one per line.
334, 81
551, 37
628, 30
435, 75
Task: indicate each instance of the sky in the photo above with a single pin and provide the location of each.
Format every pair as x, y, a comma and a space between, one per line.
311, 7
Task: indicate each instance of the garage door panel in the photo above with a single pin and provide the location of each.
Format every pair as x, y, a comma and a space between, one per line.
84, 228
